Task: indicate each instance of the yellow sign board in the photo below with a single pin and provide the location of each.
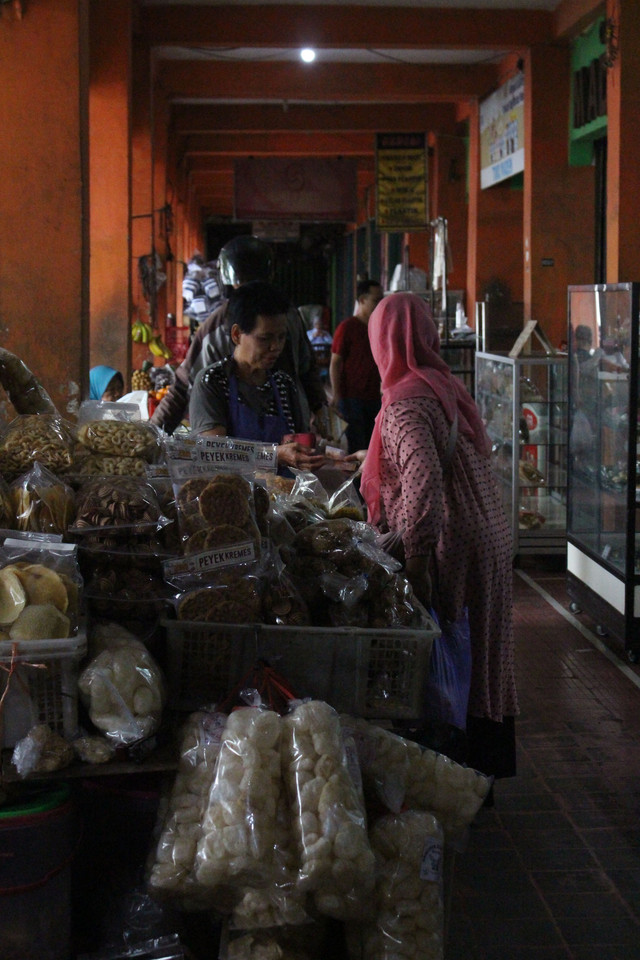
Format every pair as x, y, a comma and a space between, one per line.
401, 181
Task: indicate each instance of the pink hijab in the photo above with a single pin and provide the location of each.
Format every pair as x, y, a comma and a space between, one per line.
406, 348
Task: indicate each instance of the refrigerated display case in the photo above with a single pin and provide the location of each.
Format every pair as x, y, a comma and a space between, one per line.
523, 402
603, 557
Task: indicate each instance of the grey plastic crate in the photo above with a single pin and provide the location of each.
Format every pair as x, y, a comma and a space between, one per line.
376, 673
43, 687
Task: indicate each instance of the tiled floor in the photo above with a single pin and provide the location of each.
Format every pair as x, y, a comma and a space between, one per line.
552, 872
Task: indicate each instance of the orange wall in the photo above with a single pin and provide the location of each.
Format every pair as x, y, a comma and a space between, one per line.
43, 227
623, 170
110, 168
559, 200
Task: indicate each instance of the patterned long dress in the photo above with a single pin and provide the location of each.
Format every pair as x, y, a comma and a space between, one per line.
458, 514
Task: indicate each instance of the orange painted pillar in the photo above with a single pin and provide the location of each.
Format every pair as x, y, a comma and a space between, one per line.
164, 303
494, 234
473, 190
109, 171
141, 188
558, 200
623, 144
44, 302
447, 195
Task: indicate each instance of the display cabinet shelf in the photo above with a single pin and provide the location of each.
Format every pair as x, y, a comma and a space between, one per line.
603, 511
523, 403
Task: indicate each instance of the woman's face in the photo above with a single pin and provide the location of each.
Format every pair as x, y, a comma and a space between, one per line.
115, 389
261, 348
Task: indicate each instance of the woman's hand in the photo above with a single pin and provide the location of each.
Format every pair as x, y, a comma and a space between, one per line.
416, 570
358, 457
299, 457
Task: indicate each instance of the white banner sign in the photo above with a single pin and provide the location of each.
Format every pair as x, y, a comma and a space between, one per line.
502, 133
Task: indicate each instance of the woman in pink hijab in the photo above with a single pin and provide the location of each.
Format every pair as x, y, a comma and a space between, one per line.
427, 476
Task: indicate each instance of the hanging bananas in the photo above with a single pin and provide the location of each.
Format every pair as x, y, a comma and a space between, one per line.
159, 348
141, 332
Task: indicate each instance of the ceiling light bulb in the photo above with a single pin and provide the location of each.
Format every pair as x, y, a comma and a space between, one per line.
308, 55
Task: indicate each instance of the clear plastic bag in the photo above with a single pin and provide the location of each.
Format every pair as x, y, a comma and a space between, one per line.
41, 751
409, 909
383, 759
46, 438
336, 862
279, 903
113, 434
25, 391
171, 873
214, 508
124, 691
452, 792
40, 589
237, 846
42, 502
117, 505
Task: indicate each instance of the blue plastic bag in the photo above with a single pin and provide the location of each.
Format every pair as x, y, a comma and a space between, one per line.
449, 680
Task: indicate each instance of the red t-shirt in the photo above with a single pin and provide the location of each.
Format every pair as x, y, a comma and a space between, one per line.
360, 377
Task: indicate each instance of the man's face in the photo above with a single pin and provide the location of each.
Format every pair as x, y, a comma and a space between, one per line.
369, 301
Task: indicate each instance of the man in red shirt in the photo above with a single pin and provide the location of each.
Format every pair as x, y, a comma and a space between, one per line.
355, 381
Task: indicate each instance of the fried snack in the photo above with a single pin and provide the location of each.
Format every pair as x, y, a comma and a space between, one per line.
98, 465
223, 535
236, 480
7, 515
409, 910
13, 598
117, 438
93, 749
187, 497
239, 835
213, 605
41, 437
172, 871
336, 862
196, 542
41, 584
40, 621
117, 502
261, 501
41, 751
246, 590
43, 509
223, 503
123, 688
283, 605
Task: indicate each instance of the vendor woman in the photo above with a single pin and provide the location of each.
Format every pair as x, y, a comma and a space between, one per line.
243, 396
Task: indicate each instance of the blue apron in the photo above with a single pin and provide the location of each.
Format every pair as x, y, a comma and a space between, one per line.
246, 424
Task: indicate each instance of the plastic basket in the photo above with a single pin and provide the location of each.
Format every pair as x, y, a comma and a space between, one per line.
204, 661
43, 687
376, 673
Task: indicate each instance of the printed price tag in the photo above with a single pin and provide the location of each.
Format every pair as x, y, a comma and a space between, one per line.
431, 864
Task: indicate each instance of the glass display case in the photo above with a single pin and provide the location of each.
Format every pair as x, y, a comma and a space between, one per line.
459, 355
603, 558
523, 402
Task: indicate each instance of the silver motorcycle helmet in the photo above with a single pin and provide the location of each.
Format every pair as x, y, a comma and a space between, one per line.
244, 259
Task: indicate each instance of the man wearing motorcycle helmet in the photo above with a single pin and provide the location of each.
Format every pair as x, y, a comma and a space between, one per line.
241, 260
